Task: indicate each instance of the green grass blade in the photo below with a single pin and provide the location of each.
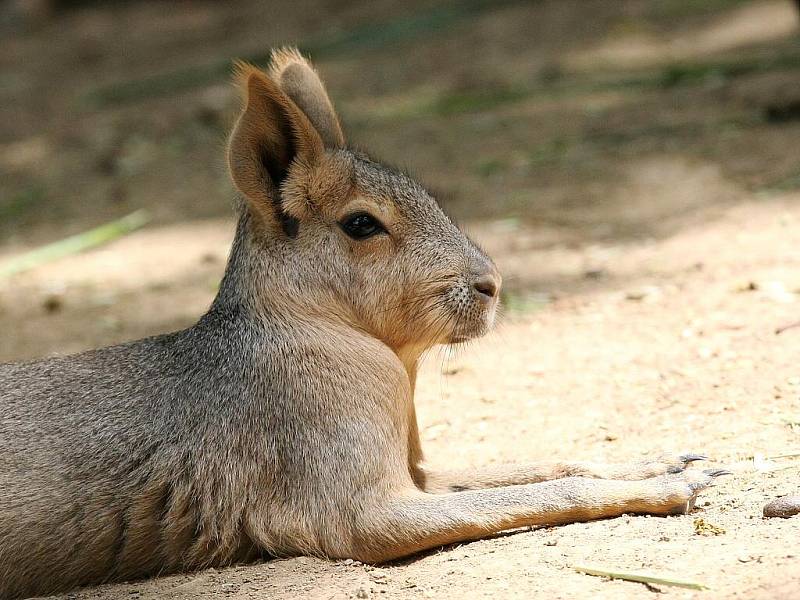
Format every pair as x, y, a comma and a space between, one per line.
640, 578
75, 244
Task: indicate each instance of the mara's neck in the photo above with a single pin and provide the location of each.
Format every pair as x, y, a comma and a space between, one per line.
235, 293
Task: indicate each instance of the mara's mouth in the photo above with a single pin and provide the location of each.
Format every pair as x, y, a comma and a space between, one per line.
452, 316
474, 322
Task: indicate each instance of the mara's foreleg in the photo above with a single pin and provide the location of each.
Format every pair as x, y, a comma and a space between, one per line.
415, 521
524, 473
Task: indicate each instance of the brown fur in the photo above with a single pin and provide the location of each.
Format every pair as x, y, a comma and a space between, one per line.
283, 422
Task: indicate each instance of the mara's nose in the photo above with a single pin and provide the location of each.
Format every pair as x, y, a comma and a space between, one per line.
486, 286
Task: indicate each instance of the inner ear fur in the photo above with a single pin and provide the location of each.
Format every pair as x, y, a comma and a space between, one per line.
271, 136
300, 81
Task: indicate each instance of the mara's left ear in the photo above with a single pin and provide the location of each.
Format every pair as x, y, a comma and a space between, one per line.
298, 80
270, 137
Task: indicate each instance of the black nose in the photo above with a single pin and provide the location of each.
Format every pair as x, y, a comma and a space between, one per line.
487, 286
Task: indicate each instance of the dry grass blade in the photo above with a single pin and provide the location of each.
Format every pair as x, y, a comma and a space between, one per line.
641, 578
778, 456
74, 244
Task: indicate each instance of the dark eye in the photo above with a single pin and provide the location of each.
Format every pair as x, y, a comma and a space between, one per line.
361, 226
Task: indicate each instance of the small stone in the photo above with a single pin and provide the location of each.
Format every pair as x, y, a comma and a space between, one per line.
595, 273
648, 293
785, 507
53, 303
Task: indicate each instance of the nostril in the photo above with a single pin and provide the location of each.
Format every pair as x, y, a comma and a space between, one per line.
486, 285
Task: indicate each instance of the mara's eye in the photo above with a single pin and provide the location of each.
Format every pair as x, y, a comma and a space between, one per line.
361, 226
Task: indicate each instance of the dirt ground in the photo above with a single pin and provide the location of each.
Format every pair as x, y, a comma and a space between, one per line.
632, 168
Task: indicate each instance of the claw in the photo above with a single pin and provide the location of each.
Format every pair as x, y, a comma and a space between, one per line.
717, 472
687, 458
711, 475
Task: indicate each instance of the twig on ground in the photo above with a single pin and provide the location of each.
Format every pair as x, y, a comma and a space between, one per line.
74, 244
780, 330
777, 456
647, 580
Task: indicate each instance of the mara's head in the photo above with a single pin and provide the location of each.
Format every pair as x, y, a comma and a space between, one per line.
331, 232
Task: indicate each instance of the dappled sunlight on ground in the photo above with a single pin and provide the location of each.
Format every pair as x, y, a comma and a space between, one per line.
750, 24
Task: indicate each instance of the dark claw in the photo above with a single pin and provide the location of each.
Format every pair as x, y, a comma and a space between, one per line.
687, 458
711, 474
717, 472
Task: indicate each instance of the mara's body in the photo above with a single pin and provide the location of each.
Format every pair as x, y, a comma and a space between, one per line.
283, 422
193, 449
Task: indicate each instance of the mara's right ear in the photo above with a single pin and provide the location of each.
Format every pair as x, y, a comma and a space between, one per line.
271, 134
300, 81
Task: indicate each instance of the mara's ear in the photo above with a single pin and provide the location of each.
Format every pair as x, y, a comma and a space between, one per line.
298, 79
271, 134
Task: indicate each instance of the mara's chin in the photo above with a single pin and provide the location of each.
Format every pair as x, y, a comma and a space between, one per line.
462, 335
477, 325
463, 338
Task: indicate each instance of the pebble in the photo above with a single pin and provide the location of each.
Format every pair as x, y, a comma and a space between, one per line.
785, 507
53, 303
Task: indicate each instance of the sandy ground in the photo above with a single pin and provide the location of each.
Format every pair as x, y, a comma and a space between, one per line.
659, 346
648, 236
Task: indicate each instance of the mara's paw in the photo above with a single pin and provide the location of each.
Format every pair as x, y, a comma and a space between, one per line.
660, 465
669, 463
677, 493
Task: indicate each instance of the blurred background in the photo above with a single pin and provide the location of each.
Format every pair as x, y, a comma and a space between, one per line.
539, 124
